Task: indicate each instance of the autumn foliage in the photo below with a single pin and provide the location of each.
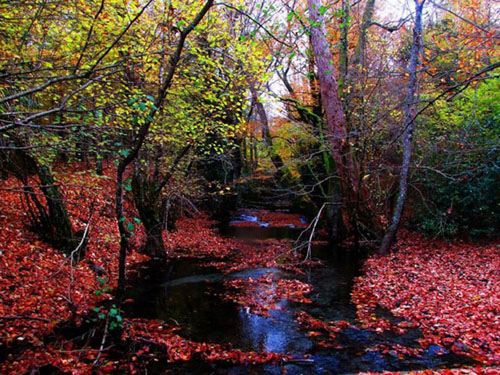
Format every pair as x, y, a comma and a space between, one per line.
41, 289
451, 291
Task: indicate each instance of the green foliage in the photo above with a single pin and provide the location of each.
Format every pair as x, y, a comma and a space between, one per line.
470, 206
113, 316
103, 289
461, 176
98, 314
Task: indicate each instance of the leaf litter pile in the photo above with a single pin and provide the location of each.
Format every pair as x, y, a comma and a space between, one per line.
451, 292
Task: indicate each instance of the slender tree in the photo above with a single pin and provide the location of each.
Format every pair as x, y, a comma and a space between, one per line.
142, 133
410, 105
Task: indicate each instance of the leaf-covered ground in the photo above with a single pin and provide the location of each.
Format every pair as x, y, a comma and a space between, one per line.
451, 291
41, 290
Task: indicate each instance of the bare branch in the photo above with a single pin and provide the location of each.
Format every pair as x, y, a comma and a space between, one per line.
256, 22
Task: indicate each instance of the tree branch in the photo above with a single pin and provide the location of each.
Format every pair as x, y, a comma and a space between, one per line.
256, 22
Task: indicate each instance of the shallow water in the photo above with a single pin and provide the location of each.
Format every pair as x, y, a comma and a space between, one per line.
189, 294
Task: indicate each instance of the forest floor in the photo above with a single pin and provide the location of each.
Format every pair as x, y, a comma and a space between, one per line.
450, 291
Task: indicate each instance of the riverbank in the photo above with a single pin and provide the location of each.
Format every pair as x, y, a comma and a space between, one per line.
451, 291
237, 305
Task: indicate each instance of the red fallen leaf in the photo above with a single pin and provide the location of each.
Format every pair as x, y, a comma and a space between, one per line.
180, 349
37, 281
108, 367
314, 333
262, 295
450, 291
326, 330
25, 289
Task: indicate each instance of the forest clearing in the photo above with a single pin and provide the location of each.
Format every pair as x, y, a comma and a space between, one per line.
249, 187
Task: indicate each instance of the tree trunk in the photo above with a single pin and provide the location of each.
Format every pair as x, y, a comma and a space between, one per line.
152, 205
332, 104
410, 105
151, 211
58, 214
98, 165
266, 132
357, 80
334, 112
321, 165
360, 51
143, 132
52, 220
344, 51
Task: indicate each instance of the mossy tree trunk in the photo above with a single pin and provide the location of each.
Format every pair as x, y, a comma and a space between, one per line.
51, 220
151, 208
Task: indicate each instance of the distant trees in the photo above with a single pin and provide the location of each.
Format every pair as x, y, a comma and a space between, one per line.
350, 75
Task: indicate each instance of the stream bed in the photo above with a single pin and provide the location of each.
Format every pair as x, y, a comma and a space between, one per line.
187, 293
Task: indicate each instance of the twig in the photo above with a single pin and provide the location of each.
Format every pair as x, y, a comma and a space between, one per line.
119, 37
391, 28
314, 224
101, 348
99, 11
458, 16
73, 253
52, 81
256, 22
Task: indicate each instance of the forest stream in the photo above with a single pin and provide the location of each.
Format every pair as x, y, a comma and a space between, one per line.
249, 187
187, 293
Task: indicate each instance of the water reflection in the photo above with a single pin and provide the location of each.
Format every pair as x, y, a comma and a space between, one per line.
277, 333
191, 295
